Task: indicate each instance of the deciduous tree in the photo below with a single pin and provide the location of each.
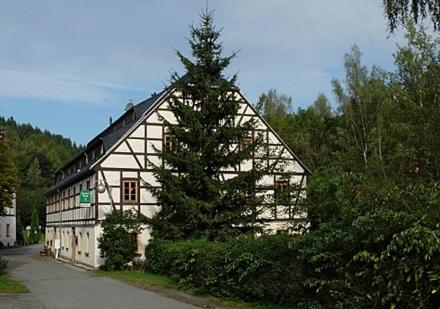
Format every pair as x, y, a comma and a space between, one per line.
400, 12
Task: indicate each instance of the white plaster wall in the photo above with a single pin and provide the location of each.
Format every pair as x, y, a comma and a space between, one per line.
137, 145
139, 132
149, 210
153, 145
120, 161
148, 178
154, 131
11, 239
168, 115
122, 148
147, 196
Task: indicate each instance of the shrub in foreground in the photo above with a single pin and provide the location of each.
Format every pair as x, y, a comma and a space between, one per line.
116, 243
265, 269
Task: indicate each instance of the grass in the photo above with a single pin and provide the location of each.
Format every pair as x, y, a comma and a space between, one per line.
8, 285
160, 283
141, 279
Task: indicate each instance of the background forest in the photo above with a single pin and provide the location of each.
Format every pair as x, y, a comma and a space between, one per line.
36, 155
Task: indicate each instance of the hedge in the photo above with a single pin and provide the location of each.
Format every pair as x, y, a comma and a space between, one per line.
253, 270
325, 268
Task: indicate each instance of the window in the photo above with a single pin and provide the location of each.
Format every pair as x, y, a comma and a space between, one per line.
168, 141
8, 230
136, 242
87, 244
245, 141
80, 243
281, 186
74, 196
129, 191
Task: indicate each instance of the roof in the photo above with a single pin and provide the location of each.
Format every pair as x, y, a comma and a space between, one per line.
108, 137
115, 131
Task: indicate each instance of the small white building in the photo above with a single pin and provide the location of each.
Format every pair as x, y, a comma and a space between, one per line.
8, 223
117, 161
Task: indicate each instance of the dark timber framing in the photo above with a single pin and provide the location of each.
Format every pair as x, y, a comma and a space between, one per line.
58, 202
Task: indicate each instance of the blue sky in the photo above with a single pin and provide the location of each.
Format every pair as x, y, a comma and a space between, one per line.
67, 66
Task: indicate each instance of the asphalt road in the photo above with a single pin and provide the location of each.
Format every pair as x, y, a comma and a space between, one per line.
62, 286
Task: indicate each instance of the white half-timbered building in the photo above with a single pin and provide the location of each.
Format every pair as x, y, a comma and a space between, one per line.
8, 225
115, 168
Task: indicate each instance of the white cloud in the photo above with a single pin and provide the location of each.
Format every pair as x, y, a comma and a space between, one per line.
25, 85
89, 51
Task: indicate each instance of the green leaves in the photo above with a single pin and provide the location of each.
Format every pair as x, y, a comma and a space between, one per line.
36, 156
263, 269
196, 201
8, 175
372, 245
403, 12
34, 235
117, 243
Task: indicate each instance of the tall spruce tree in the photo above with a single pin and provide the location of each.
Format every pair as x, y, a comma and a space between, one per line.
197, 202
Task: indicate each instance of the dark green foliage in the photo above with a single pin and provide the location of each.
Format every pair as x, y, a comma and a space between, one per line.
401, 12
8, 174
116, 243
19, 232
273, 106
37, 155
197, 202
3, 265
265, 269
308, 132
32, 193
371, 246
415, 117
34, 232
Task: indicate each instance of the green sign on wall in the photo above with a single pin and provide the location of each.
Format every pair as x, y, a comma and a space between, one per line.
85, 198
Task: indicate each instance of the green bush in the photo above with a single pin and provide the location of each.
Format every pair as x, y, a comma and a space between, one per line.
249, 269
116, 243
3, 265
373, 246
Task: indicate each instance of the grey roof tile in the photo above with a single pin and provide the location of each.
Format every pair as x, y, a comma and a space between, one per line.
108, 137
